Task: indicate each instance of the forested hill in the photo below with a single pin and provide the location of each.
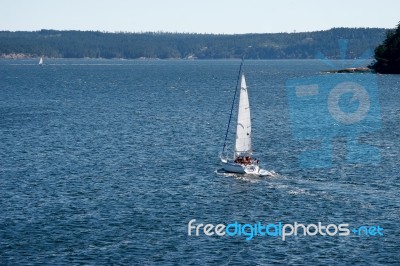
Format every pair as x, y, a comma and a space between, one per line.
80, 44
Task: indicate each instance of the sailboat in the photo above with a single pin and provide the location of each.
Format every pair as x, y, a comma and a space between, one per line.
242, 161
41, 61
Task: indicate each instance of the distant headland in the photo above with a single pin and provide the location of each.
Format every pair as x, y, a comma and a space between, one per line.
165, 45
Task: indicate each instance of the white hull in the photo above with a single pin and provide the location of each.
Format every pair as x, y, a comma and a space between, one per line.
232, 167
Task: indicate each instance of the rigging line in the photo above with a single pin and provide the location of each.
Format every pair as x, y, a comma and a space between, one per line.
233, 105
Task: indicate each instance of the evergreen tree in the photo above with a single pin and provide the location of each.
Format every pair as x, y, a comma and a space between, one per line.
387, 55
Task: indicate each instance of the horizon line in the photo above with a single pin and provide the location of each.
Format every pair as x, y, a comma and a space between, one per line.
183, 32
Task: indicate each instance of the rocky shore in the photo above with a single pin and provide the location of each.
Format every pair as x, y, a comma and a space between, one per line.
16, 56
351, 70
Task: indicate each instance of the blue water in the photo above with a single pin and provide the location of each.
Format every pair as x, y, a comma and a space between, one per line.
106, 162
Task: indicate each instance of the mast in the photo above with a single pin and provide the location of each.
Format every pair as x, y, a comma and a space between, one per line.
233, 105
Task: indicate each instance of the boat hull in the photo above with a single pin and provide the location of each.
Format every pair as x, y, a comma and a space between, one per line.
233, 167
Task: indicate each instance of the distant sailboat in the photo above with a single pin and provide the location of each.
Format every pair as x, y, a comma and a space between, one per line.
242, 161
41, 61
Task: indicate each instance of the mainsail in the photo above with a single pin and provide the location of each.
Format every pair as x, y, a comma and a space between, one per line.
243, 129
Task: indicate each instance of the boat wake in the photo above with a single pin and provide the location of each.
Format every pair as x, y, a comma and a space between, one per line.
271, 173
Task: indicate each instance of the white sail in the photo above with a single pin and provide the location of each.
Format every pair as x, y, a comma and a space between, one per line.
41, 61
243, 129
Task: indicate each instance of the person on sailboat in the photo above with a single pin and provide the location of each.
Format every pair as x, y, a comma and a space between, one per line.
238, 160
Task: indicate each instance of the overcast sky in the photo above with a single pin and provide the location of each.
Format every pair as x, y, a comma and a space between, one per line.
205, 16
